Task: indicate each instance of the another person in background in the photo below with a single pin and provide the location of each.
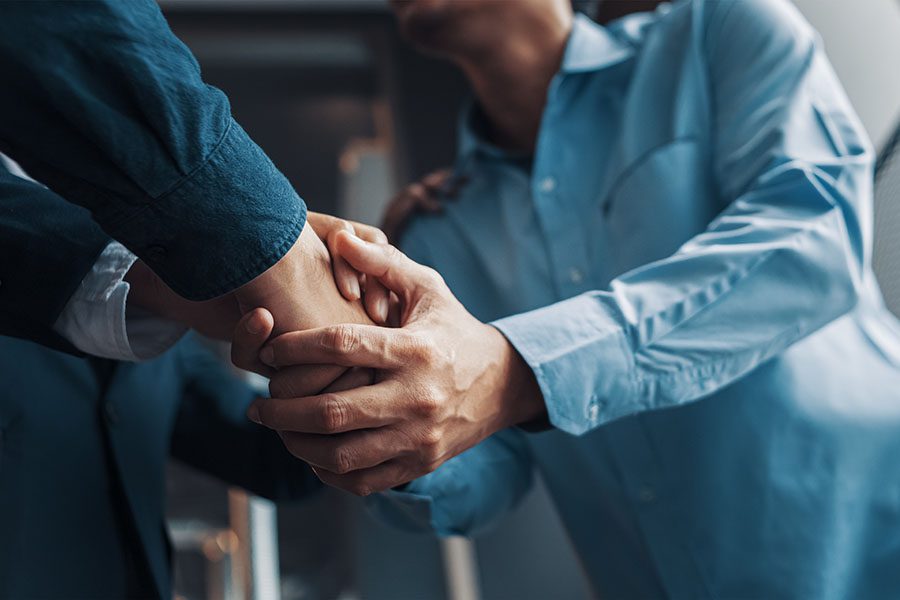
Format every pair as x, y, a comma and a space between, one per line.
83, 449
668, 219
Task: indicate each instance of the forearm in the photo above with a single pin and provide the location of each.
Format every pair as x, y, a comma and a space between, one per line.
300, 291
142, 141
46, 248
765, 275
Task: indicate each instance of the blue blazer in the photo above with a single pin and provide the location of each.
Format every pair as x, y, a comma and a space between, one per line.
83, 449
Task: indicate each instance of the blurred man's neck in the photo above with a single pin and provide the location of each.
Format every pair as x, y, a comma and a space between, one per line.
511, 74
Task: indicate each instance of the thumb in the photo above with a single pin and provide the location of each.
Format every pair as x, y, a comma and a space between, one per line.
384, 262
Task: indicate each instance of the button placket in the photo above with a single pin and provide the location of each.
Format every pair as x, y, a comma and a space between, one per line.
547, 184
594, 406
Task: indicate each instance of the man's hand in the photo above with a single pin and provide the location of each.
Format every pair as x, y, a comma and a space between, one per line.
349, 281
300, 293
445, 382
217, 318
427, 195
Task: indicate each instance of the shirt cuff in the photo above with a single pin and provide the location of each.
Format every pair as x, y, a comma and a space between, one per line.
423, 504
97, 319
581, 360
220, 227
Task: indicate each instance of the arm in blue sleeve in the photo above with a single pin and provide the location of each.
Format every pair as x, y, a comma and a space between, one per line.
212, 432
785, 257
467, 493
46, 247
102, 103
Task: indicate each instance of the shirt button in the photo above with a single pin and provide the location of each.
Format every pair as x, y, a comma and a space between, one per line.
593, 412
548, 184
110, 414
575, 275
646, 494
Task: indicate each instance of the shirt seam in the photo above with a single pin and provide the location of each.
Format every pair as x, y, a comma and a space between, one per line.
129, 216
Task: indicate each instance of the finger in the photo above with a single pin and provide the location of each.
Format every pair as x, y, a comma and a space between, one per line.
369, 233
423, 199
396, 216
377, 300
451, 188
301, 381
365, 482
395, 311
353, 378
250, 335
346, 345
322, 223
345, 276
436, 180
344, 452
431, 204
395, 270
326, 414
377, 296
318, 222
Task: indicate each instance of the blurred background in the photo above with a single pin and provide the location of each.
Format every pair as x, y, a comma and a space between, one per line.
349, 114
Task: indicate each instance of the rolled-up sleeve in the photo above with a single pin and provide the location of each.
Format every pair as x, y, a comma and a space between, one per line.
783, 259
104, 105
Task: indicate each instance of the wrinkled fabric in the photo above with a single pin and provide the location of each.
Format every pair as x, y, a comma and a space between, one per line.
98, 321
104, 105
685, 265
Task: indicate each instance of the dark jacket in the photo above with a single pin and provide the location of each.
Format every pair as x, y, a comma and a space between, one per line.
101, 102
83, 449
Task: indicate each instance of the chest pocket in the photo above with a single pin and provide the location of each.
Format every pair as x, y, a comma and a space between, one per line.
658, 203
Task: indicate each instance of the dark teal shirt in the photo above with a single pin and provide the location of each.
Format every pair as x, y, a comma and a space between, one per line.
102, 103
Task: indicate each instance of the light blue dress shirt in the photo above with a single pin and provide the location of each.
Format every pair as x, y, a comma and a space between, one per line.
685, 264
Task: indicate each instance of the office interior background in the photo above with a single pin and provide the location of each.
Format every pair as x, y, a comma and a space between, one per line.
350, 115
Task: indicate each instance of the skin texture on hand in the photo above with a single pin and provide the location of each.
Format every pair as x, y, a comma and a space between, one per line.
213, 318
308, 287
349, 281
307, 264
445, 381
300, 292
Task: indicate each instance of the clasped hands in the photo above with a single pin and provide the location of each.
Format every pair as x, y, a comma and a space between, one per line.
377, 373
427, 384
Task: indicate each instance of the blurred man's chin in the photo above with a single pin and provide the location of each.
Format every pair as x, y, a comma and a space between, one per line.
425, 24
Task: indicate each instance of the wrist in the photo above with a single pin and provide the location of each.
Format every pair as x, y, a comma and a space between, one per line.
299, 290
147, 291
520, 394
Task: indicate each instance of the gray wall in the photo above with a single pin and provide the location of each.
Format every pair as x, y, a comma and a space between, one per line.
862, 39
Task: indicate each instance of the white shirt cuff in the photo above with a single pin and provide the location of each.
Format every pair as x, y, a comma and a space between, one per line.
98, 321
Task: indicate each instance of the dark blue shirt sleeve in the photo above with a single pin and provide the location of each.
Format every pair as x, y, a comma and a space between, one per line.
46, 247
102, 103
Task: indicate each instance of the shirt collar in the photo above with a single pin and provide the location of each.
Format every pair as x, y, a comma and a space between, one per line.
591, 47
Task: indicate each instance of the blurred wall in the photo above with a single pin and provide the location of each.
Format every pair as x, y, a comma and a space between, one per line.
862, 38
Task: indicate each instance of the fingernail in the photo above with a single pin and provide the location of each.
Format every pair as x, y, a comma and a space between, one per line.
254, 325
253, 413
267, 356
354, 289
381, 307
353, 239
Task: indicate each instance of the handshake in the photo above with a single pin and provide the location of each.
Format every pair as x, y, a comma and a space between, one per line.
377, 373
